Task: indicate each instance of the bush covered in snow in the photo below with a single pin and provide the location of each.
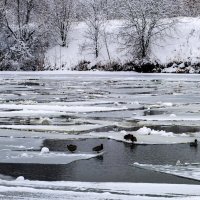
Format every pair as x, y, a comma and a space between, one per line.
182, 67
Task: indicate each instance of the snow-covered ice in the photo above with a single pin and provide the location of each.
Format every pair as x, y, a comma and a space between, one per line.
185, 170
25, 189
53, 158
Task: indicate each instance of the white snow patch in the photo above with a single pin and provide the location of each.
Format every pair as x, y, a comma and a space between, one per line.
148, 131
100, 191
167, 104
44, 150
173, 115
20, 178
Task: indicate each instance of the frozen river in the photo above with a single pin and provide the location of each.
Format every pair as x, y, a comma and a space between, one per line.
53, 110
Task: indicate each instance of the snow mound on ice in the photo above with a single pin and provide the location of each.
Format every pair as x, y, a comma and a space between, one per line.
172, 115
20, 178
44, 150
167, 104
148, 131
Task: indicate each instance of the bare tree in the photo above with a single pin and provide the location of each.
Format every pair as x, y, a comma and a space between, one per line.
191, 7
144, 22
62, 14
94, 18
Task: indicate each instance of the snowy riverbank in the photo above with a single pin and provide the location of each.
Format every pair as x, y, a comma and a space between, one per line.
179, 51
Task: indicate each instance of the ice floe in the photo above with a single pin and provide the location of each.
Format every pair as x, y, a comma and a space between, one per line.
145, 136
25, 189
19, 142
43, 157
185, 170
168, 118
66, 129
76, 109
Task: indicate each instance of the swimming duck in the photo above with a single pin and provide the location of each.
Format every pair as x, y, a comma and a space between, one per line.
130, 137
194, 144
71, 147
98, 148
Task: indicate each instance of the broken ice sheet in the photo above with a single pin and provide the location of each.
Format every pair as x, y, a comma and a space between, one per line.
25, 189
155, 137
24, 157
22, 143
76, 109
66, 129
185, 117
186, 170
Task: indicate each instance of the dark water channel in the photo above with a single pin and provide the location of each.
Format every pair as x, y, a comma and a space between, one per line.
114, 166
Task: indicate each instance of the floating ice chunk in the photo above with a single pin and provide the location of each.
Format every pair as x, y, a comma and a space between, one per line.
123, 132
69, 128
24, 155
75, 109
172, 115
186, 170
20, 178
45, 121
28, 102
167, 104
44, 150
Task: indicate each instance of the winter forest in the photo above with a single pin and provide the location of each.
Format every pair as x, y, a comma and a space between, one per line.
112, 35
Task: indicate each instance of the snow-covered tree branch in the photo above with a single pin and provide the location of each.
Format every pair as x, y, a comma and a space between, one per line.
145, 22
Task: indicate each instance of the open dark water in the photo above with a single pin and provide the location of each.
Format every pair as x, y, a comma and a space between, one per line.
114, 166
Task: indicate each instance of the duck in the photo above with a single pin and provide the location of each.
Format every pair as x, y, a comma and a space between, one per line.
133, 139
130, 137
98, 148
71, 147
194, 144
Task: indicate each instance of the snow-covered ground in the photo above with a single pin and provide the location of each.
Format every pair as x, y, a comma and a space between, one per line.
182, 45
